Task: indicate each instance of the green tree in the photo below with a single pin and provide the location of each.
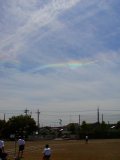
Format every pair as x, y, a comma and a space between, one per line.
118, 125
20, 125
2, 126
85, 127
73, 128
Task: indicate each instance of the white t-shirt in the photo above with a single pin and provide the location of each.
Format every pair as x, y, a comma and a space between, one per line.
1, 144
21, 142
47, 151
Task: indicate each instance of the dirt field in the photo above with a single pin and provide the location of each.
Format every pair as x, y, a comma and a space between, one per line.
70, 150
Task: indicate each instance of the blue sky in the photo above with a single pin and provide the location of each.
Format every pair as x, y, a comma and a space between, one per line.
59, 55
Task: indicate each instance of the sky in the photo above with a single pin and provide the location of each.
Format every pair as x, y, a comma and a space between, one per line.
59, 56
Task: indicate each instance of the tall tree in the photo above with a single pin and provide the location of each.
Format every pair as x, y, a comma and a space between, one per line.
2, 126
20, 125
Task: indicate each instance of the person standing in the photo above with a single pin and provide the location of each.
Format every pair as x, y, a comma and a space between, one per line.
46, 152
2, 146
21, 145
3, 154
86, 138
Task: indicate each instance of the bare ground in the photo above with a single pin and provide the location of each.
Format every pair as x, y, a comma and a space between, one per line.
69, 149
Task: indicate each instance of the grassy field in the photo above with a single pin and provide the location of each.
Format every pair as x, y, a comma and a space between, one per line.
70, 150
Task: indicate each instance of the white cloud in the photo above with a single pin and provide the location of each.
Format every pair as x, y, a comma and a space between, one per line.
31, 22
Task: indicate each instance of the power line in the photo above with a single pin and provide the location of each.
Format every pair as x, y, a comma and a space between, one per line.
86, 115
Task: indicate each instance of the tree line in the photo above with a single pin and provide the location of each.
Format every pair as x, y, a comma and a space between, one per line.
95, 130
25, 125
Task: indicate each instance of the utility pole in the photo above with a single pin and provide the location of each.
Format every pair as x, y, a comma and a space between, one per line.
78, 130
102, 118
26, 111
4, 116
79, 120
38, 119
98, 116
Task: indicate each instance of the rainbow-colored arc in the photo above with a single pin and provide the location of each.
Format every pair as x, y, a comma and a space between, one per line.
71, 65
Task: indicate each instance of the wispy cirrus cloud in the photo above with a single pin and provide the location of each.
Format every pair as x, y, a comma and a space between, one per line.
31, 22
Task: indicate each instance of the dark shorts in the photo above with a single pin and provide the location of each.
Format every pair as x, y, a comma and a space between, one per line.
21, 147
46, 157
0, 150
3, 155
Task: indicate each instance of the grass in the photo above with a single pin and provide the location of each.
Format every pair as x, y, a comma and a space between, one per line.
70, 150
